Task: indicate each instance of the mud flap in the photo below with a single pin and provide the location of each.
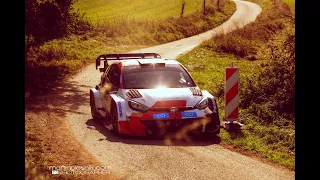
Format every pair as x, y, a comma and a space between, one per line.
107, 125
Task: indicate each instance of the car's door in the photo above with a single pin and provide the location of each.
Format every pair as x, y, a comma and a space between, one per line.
112, 78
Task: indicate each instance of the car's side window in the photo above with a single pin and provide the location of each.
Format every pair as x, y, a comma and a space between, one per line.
104, 77
115, 76
110, 72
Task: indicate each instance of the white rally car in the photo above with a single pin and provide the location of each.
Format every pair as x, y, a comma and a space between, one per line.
142, 94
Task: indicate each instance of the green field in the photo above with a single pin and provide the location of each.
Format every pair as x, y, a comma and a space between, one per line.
101, 10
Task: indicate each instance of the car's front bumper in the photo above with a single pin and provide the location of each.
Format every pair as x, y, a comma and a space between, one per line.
137, 126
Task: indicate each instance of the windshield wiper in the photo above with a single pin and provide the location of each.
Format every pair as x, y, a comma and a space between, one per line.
136, 88
176, 86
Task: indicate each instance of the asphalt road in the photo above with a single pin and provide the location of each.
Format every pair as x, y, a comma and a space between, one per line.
140, 158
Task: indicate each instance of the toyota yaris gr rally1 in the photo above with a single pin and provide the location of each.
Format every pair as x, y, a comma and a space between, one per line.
141, 94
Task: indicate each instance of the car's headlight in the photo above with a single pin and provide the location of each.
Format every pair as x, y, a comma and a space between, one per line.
202, 104
137, 106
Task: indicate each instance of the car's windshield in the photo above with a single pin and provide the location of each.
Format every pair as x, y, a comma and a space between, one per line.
170, 75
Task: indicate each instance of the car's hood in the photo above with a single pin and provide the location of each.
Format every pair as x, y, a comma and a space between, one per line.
167, 97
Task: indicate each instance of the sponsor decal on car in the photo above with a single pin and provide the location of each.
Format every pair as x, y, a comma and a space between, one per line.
161, 116
189, 114
120, 110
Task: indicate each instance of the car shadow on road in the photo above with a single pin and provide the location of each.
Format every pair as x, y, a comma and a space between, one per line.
190, 140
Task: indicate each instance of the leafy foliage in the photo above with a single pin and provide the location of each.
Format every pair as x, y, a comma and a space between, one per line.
50, 19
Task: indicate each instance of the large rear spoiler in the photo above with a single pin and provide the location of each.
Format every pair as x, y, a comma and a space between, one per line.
119, 57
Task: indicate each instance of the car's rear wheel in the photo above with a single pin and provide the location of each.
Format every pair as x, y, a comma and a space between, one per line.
114, 117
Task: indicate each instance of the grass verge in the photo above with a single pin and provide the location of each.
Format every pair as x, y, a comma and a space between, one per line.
264, 51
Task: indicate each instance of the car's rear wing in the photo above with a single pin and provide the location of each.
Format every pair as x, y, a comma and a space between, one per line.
118, 57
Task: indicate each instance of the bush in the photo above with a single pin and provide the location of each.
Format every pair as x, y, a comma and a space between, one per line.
47, 20
274, 86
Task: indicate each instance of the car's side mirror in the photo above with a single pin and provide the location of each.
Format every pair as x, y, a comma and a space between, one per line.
102, 69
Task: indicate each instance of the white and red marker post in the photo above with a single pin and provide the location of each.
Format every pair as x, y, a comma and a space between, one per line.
231, 96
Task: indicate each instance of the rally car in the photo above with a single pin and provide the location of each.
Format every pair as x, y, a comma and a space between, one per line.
142, 94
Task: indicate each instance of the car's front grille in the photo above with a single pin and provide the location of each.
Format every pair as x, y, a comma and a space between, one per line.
159, 109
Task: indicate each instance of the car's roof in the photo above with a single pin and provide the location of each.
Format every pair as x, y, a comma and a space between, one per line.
130, 62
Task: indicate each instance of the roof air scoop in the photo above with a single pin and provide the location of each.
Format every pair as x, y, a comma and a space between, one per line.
195, 91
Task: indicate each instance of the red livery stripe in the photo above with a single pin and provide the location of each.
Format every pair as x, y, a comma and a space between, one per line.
170, 103
231, 93
234, 114
230, 72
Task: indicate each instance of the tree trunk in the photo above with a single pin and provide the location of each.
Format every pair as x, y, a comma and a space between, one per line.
182, 8
204, 7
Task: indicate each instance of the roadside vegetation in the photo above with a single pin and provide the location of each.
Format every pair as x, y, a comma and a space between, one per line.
60, 41
265, 52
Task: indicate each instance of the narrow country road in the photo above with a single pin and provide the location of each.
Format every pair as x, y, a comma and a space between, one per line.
138, 158
246, 12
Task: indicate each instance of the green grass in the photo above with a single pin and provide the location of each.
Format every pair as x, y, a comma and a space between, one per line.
264, 52
208, 68
57, 59
101, 10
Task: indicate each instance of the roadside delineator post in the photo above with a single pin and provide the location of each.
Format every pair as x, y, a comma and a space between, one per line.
231, 96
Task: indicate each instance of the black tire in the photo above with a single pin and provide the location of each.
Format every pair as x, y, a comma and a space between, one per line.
216, 122
216, 117
114, 117
95, 115
217, 132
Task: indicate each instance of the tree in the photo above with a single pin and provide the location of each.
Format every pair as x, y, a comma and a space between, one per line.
50, 19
